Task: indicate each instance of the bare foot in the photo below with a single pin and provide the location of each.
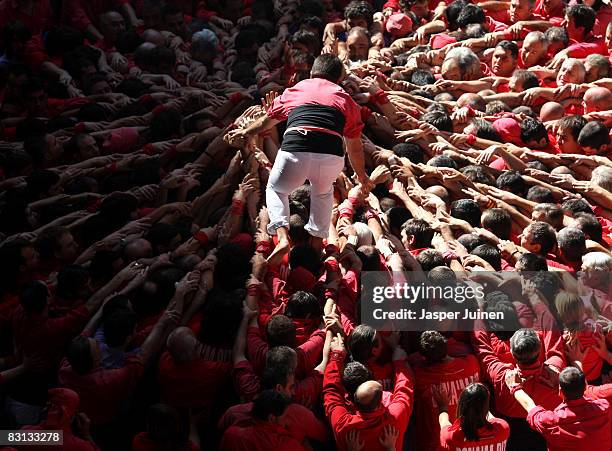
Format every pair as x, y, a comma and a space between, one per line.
282, 248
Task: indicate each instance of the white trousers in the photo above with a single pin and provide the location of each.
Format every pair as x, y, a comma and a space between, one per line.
289, 172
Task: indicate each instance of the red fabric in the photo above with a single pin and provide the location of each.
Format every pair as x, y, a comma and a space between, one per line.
509, 130
558, 12
599, 392
260, 436
536, 385
44, 337
41, 19
322, 92
122, 140
370, 425
454, 375
62, 406
491, 437
441, 40
196, 383
300, 422
248, 385
589, 46
574, 424
142, 442
80, 13
398, 25
103, 391
307, 353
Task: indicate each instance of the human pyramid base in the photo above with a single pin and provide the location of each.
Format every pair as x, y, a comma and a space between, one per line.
213, 212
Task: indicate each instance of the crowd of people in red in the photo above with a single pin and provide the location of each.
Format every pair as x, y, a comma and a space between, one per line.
145, 305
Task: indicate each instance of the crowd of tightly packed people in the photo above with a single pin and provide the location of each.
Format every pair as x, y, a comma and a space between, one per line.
167, 284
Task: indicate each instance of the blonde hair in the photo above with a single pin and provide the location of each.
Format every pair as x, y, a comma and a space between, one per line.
570, 309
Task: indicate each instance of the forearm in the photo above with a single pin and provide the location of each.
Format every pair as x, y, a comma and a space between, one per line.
239, 349
260, 125
524, 400
354, 149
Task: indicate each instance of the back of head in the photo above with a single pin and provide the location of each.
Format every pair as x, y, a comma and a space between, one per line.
525, 346
498, 221
572, 243
165, 427
118, 327
280, 331
355, 374
221, 317
361, 341
269, 403
303, 305
472, 410
33, 297
466, 209
432, 346
79, 355
327, 66
572, 383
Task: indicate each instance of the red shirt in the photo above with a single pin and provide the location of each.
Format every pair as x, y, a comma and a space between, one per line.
308, 353
590, 45
248, 385
574, 424
369, 424
492, 437
260, 436
454, 375
40, 20
80, 13
300, 422
142, 442
103, 391
47, 337
320, 92
196, 383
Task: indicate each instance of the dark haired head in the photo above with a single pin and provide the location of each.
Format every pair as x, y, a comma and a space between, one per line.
432, 346
513, 182
327, 66
472, 410
411, 151
466, 209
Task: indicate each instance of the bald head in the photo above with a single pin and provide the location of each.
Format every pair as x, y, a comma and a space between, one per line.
137, 249
368, 396
182, 344
597, 99
439, 191
560, 170
472, 100
551, 111
154, 37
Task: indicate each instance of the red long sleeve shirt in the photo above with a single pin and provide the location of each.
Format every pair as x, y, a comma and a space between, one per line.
193, 384
102, 391
574, 424
308, 354
299, 421
260, 436
248, 385
491, 437
369, 424
454, 375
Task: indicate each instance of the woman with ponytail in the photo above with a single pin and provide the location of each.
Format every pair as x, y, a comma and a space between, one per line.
475, 427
